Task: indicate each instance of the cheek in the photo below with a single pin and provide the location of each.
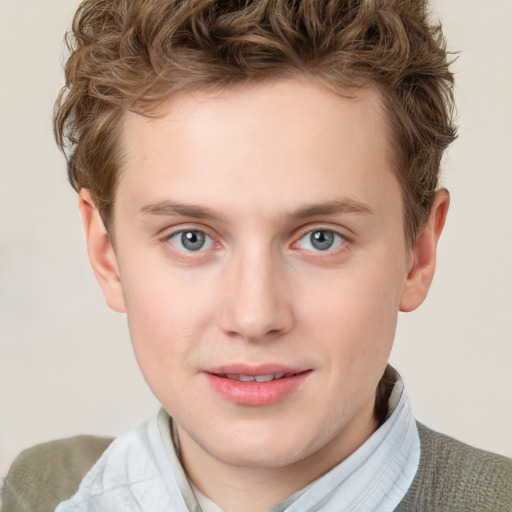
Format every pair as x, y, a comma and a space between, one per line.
355, 312
355, 298
165, 317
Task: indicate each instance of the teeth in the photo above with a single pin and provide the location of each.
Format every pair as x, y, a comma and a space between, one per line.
256, 378
264, 378
245, 378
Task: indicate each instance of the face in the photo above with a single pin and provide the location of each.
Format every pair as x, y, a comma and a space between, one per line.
262, 263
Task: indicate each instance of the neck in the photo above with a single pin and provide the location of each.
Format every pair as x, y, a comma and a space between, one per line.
256, 489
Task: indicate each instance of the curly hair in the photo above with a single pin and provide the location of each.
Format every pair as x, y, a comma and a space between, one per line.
133, 54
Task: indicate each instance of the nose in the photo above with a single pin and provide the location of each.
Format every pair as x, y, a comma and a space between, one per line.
257, 302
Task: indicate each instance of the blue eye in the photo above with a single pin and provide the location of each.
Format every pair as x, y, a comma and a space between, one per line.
191, 241
321, 240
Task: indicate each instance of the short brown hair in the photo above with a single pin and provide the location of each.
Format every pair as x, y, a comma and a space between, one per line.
133, 54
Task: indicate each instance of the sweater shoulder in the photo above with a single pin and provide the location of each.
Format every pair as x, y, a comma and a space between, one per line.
46, 474
455, 476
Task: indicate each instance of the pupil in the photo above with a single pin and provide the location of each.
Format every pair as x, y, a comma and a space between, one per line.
322, 240
192, 240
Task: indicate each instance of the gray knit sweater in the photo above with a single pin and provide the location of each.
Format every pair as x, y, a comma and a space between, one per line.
452, 477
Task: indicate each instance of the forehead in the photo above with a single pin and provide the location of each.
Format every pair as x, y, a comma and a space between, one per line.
279, 140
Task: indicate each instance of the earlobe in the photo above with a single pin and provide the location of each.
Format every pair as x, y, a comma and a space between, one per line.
101, 252
424, 251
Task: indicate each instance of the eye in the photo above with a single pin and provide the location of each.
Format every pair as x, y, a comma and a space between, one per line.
320, 240
191, 241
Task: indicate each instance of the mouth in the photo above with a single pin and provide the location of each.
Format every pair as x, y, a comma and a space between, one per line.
256, 386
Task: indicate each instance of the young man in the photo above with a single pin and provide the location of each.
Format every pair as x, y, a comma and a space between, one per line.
258, 185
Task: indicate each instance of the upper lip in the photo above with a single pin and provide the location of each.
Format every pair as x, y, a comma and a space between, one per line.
254, 370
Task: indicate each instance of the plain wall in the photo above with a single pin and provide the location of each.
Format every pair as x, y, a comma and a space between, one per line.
66, 365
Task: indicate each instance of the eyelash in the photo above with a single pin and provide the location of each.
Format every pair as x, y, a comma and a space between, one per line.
208, 241
338, 239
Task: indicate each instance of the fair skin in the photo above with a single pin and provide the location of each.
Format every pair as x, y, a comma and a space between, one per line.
259, 232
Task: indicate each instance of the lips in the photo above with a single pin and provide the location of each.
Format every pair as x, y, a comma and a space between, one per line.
255, 386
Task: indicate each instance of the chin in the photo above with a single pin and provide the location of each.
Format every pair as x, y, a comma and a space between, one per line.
266, 447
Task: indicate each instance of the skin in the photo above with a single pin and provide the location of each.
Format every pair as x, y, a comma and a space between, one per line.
253, 168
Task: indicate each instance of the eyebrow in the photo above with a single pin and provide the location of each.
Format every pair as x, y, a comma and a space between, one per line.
172, 208
341, 207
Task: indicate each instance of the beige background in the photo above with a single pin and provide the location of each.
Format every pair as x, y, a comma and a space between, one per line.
65, 360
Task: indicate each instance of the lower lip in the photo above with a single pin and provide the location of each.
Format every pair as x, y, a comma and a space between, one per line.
256, 393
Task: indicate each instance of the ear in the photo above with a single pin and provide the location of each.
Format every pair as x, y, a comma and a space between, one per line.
424, 250
101, 252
